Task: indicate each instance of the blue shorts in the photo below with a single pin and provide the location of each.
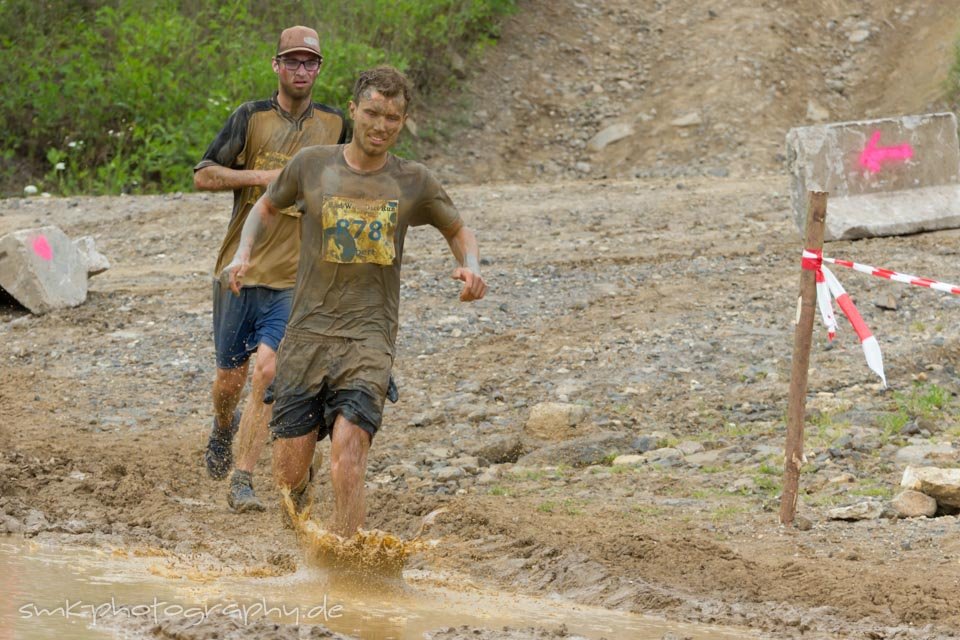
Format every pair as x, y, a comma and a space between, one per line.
242, 323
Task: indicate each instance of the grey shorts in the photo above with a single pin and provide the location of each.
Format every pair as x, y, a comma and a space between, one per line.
321, 377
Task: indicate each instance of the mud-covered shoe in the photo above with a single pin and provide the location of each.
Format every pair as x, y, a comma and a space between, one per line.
301, 499
219, 454
241, 496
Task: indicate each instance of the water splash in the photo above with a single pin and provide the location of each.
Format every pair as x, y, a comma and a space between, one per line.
367, 552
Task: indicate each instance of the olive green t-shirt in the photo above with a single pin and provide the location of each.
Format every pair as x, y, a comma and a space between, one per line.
261, 135
352, 231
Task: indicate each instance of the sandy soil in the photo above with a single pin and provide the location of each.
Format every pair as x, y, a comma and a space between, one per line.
661, 304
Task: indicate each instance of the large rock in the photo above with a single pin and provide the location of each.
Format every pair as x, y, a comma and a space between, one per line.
42, 269
941, 484
609, 135
500, 449
885, 177
596, 448
555, 420
867, 510
913, 504
924, 454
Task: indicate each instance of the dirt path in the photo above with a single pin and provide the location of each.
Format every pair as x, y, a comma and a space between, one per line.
674, 332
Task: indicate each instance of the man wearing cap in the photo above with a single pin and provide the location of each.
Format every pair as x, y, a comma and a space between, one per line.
248, 153
358, 201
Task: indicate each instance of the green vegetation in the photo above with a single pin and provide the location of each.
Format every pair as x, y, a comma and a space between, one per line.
923, 401
104, 96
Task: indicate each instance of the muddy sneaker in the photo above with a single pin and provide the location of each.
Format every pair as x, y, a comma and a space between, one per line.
240, 496
301, 499
219, 453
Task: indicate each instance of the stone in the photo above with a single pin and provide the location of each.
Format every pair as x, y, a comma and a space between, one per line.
446, 474
457, 65
9, 524
843, 478
925, 454
913, 504
470, 464
501, 449
643, 444
867, 510
885, 177
710, 458
692, 119
34, 523
439, 453
858, 36
555, 420
941, 484
609, 135
817, 113
96, 262
630, 459
690, 447
666, 456
488, 476
42, 269
584, 451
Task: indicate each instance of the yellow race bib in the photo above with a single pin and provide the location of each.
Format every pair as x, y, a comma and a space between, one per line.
359, 230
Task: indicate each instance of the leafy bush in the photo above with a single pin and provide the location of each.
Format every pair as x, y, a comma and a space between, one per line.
106, 96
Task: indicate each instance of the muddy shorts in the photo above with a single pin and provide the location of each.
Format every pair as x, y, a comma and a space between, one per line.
242, 323
320, 377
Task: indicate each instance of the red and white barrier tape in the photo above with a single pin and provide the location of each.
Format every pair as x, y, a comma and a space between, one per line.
827, 286
898, 277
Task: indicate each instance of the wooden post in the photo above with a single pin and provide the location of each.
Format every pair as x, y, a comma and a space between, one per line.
802, 338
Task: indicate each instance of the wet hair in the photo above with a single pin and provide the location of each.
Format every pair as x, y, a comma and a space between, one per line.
387, 80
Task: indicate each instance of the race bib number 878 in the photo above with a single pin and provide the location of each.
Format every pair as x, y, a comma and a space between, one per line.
359, 230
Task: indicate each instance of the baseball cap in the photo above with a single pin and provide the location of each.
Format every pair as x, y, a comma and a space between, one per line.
299, 39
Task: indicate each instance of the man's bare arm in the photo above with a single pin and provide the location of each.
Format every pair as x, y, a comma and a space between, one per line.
261, 216
463, 245
217, 178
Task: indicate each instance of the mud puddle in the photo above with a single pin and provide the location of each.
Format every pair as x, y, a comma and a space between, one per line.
55, 591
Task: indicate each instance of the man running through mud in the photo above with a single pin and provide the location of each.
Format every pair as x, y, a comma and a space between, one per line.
334, 364
251, 149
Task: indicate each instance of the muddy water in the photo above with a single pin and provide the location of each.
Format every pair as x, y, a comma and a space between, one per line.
52, 591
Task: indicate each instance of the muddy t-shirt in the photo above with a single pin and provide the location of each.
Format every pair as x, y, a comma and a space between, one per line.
352, 229
261, 135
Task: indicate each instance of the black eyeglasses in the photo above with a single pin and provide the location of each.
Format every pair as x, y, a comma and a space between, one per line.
292, 64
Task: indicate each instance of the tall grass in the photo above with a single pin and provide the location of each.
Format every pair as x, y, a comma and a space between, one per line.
103, 96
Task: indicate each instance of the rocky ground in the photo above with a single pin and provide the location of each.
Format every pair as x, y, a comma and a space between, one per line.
641, 306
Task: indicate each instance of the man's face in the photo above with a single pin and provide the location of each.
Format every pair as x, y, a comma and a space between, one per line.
297, 82
377, 122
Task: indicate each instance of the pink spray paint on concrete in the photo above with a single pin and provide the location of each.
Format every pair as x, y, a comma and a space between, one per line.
873, 156
42, 248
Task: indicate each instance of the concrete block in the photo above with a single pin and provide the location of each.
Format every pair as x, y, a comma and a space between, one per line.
42, 269
885, 177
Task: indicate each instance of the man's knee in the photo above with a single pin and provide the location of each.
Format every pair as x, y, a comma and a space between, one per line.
265, 368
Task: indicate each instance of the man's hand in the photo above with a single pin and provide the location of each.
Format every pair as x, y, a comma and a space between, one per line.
474, 287
233, 273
